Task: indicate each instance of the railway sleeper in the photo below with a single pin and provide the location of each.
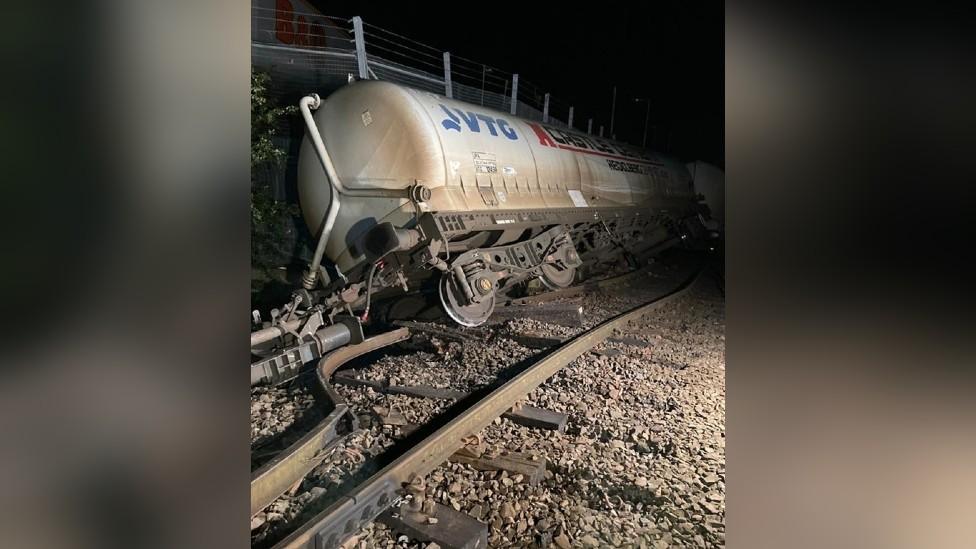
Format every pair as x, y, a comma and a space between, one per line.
532, 469
440, 524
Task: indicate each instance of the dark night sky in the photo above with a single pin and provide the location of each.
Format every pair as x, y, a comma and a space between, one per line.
672, 52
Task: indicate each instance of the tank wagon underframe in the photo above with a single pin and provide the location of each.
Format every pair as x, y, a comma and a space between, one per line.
452, 224
551, 244
557, 244
599, 234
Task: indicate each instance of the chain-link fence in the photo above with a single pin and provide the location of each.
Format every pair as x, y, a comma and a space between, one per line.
306, 51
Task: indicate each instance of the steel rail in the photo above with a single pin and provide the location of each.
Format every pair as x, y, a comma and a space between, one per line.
349, 514
296, 461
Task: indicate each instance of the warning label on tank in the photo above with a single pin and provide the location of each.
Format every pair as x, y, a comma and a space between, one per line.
485, 162
630, 167
578, 199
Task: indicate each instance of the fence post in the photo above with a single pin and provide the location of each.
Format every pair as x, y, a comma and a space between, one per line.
589, 126
545, 109
514, 92
447, 75
357, 29
570, 117
613, 110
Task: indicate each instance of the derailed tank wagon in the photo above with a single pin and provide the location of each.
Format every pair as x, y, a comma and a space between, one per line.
406, 189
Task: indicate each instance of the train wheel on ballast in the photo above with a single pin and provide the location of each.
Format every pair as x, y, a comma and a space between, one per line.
462, 310
555, 278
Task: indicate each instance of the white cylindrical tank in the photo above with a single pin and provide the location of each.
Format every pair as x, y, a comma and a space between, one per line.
384, 136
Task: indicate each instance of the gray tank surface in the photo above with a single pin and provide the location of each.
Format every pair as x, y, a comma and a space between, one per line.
472, 159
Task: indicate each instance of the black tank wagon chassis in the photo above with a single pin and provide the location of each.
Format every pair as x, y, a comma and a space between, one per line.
555, 243
364, 503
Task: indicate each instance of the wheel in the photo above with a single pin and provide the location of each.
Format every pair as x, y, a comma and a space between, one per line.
554, 278
457, 306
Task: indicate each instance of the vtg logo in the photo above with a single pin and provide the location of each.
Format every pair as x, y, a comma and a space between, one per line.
470, 119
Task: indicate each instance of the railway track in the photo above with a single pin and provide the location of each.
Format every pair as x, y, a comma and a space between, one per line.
385, 488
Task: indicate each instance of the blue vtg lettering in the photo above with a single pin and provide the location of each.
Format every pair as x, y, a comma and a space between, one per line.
458, 119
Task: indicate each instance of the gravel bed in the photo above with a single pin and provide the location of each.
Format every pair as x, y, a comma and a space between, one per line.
456, 366
346, 464
275, 409
641, 463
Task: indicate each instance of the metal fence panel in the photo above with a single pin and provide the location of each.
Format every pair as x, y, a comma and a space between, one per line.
324, 64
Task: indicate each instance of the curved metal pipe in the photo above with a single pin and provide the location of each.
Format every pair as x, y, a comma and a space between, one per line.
306, 105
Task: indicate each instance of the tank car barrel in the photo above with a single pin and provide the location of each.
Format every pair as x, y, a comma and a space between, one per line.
307, 105
428, 179
310, 103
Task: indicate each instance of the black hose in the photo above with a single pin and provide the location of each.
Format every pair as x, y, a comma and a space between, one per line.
369, 291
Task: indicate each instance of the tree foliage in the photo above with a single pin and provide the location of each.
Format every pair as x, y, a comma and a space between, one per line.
269, 218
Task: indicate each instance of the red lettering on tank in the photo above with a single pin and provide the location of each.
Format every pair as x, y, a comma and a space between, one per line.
544, 138
602, 148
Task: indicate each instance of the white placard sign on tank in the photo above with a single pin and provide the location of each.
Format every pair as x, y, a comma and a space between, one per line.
578, 199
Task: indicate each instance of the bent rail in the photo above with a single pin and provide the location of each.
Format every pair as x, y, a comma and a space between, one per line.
294, 462
350, 513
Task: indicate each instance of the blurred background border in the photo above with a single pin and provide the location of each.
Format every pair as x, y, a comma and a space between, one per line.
125, 288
